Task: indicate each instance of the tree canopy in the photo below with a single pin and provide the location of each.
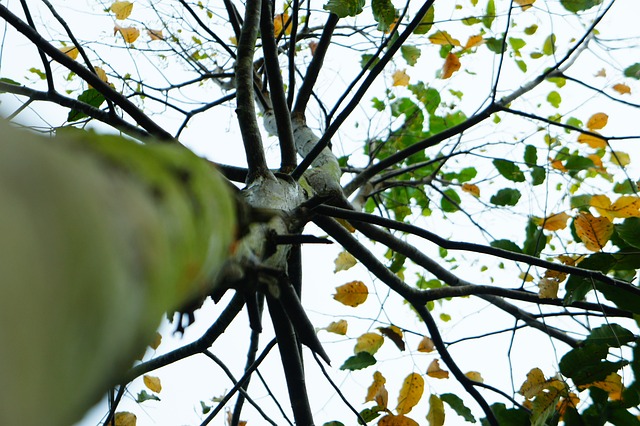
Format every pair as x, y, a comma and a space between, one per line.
471, 166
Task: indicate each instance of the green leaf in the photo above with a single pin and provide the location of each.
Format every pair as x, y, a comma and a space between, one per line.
487, 20
508, 416
428, 96
517, 43
572, 121
558, 81
549, 46
426, 22
333, 423
576, 6
359, 361
369, 414
144, 396
554, 98
366, 57
38, 72
538, 174
584, 364
577, 163
506, 197
384, 13
450, 201
344, 8
580, 202
531, 29
495, 45
633, 71
612, 335
530, 155
9, 81
467, 174
626, 187
522, 65
535, 239
89, 96
629, 231
506, 245
410, 54
456, 403
509, 170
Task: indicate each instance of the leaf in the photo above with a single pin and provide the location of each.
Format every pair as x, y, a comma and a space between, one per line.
475, 376
554, 99
394, 334
338, 327
122, 9
549, 46
544, 405
280, 21
593, 141
344, 8
471, 189
368, 342
597, 121
157, 339
473, 41
352, 294
629, 231
530, 155
426, 345
593, 231
143, 396
506, 245
374, 388
554, 222
129, 34
612, 384
344, 261
155, 34
384, 13
443, 38
490, 15
391, 420
102, 75
535, 239
506, 197
410, 393
358, 362
524, 4
426, 22
585, 364
612, 335
435, 371
548, 288
400, 78
456, 403
624, 207
435, 416
509, 170
89, 96
623, 89
620, 158
152, 383
451, 65
450, 202
633, 71
534, 384
124, 418
70, 51
576, 6
410, 54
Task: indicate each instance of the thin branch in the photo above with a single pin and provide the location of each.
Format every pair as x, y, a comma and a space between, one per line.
207, 29
43, 57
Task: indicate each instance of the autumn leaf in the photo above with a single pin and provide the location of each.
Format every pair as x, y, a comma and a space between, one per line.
368, 342
612, 384
102, 75
410, 393
155, 343
70, 51
524, 4
124, 418
534, 384
435, 416
475, 376
620, 158
378, 383
313, 46
152, 383
592, 141
624, 207
400, 78
129, 34
394, 334
391, 420
344, 261
473, 41
597, 121
567, 401
352, 294
122, 9
279, 21
155, 34
426, 345
548, 288
435, 371
443, 38
623, 89
338, 327
593, 231
554, 222
451, 65
471, 189
346, 225
601, 73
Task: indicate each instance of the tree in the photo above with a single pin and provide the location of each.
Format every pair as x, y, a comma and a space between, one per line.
451, 151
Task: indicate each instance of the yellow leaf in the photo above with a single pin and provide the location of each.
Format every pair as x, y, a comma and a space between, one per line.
435, 416
345, 223
597, 121
475, 376
592, 141
155, 34
571, 401
410, 393
368, 342
70, 51
601, 73
435, 371
382, 398
526, 277
557, 164
352, 294
129, 34
391, 420
124, 418
451, 65
426, 345
233, 41
534, 384
400, 78
612, 384
338, 327
344, 261
524, 4
593, 231
471, 189
153, 383
597, 162
554, 222
122, 9
443, 38
624, 207
394, 334
623, 89
378, 383
102, 75
280, 21
157, 339
473, 41
620, 158
602, 204
548, 288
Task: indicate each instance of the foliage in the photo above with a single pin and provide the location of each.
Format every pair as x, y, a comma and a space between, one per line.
474, 164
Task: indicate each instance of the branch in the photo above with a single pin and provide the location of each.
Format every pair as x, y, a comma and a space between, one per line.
207, 29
